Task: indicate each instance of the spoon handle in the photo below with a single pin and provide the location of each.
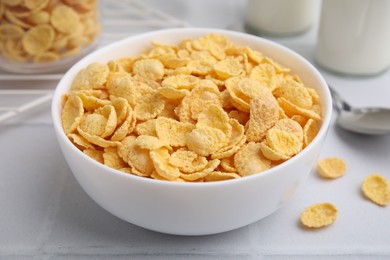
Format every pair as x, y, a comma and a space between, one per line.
338, 102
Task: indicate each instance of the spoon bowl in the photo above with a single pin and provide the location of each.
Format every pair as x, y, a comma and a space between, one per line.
366, 120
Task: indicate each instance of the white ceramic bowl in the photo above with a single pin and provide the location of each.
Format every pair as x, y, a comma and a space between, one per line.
192, 208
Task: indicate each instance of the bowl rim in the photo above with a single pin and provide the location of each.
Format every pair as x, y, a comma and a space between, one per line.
57, 97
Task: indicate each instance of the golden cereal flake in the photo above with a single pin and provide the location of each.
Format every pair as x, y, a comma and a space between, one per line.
182, 158
137, 157
149, 107
181, 81
243, 90
72, 113
172, 132
264, 113
97, 155
38, 39
97, 140
205, 140
377, 189
215, 116
199, 99
228, 164
271, 154
296, 93
94, 76
126, 127
290, 126
10, 31
249, 160
149, 142
65, 19
266, 75
332, 167
319, 215
80, 141
149, 68
310, 131
290, 109
221, 176
284, 142
173, 93
147, 128
112, 159
160, 158
228, 68
122, 109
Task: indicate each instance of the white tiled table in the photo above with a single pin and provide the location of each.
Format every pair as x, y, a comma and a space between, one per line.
46, 215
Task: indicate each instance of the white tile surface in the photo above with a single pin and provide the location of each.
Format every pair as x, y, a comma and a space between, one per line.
46, 215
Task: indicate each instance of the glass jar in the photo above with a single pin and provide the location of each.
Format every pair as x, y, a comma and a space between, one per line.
354, 37
38, 36
280, 17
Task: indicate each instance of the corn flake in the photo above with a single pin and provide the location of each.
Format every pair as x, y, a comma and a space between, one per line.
72, 113
137, 157
38, 39
149, 69
149, 107
228, 164
97, 140
228, 68
160, 158
205, 140
265, 74
182, 158
221, 176
319, 215
296, 93
92, 77
80, 141
249, 160
264, 115
310, 131
377, 189
271, 154
198, 164
172, 132
181, 81
10, 31
65, 19
331, 167
146, 128
97, 155
149, 142
284, 142
290, 109
112, 159
215, 116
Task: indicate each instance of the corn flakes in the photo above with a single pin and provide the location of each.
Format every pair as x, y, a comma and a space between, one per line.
204, 110
47, 30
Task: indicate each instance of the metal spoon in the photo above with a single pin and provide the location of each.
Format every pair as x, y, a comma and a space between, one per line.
367, 120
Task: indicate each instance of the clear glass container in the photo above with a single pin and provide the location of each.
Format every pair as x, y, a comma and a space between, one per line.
38, 36
354, 37
279, 17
